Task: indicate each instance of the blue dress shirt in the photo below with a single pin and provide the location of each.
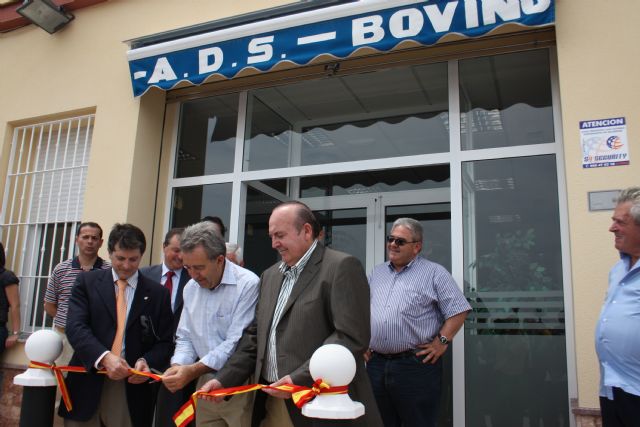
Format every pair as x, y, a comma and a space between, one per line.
409, 307
617, 332
212, 320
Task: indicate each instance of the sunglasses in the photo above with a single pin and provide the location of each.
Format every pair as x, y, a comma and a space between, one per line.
399, 241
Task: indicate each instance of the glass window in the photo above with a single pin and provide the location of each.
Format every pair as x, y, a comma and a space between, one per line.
191, 204
419, 178
258, 253
387, 113
515, 335
207, 136
345, 230
505, 100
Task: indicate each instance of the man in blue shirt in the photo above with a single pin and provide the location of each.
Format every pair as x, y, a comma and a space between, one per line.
219, 302
416, 309
617, 338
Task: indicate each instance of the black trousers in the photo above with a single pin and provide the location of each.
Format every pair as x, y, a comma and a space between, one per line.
622, 411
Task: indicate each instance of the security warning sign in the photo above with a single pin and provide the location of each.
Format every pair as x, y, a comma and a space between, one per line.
604, 142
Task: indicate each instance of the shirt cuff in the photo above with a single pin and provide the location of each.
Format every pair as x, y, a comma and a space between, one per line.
182, 359
97, 364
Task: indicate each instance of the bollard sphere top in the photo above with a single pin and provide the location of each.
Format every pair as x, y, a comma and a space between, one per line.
43, 346
334, 364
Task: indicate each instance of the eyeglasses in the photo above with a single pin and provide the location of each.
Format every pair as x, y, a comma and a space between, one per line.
399, 241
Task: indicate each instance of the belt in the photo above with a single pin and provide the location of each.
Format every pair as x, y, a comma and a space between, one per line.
401, 355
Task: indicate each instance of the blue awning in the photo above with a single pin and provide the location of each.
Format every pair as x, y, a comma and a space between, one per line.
338, 31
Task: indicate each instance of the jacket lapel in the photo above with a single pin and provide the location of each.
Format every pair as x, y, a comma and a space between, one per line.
271, 292
184, 278
140, 298
107, 291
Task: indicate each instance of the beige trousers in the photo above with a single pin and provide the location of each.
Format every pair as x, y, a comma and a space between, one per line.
235, 412
113, 410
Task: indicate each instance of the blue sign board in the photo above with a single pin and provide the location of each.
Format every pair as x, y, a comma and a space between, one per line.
300, 41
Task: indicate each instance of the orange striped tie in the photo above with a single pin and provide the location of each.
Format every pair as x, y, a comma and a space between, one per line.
121, 316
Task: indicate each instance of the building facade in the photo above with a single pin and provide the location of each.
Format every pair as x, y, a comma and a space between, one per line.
481, 119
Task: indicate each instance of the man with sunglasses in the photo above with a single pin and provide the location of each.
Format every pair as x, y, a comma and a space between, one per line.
416, 309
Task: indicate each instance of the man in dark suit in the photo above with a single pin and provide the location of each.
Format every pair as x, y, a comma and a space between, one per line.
117, 319
171, 268
315, 296
173, 276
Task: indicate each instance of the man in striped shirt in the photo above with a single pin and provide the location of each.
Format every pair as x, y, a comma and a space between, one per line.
56, 298
416, 309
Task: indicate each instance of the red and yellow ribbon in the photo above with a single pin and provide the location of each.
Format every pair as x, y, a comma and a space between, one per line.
301, 395
58, 370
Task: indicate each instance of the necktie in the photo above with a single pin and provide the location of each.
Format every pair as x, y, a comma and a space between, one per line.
121, 316
169, 282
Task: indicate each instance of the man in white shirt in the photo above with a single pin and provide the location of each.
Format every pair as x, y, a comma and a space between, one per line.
219, 303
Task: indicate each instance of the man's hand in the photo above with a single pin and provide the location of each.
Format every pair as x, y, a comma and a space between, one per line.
367, 355
177, 376
278, 393
432, 351
141, 365
117, 368
210, 386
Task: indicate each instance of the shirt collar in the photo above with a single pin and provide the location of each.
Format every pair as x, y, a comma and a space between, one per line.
75, 263
627, 260
228, 275
302, 262
392, 268
132, 281
166, 269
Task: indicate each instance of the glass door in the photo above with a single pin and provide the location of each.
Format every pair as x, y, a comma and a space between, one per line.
359, 224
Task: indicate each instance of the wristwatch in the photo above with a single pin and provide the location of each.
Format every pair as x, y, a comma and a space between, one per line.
444, 340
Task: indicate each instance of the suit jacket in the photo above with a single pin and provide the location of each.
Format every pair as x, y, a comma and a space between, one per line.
91, 328
154, 272
329, 304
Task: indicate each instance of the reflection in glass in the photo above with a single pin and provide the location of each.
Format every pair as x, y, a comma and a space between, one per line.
505, 100
269, 137
190, 204
345, 230
515, 335
207, 136
258, 253
371, 181
387, 113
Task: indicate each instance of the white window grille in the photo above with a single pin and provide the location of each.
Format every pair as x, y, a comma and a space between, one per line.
42, 205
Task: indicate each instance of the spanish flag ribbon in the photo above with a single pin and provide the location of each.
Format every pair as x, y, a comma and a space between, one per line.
58, 370
305, 394
301, 395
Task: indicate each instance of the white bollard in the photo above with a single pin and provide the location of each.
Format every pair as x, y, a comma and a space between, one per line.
335, 365
39, 392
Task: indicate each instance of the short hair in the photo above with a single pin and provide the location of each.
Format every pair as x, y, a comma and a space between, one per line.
236, 249
216, 220
304, 215
88, 224
414, 226
126, 236
3, 259
177, 231
203, 234
631, 194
